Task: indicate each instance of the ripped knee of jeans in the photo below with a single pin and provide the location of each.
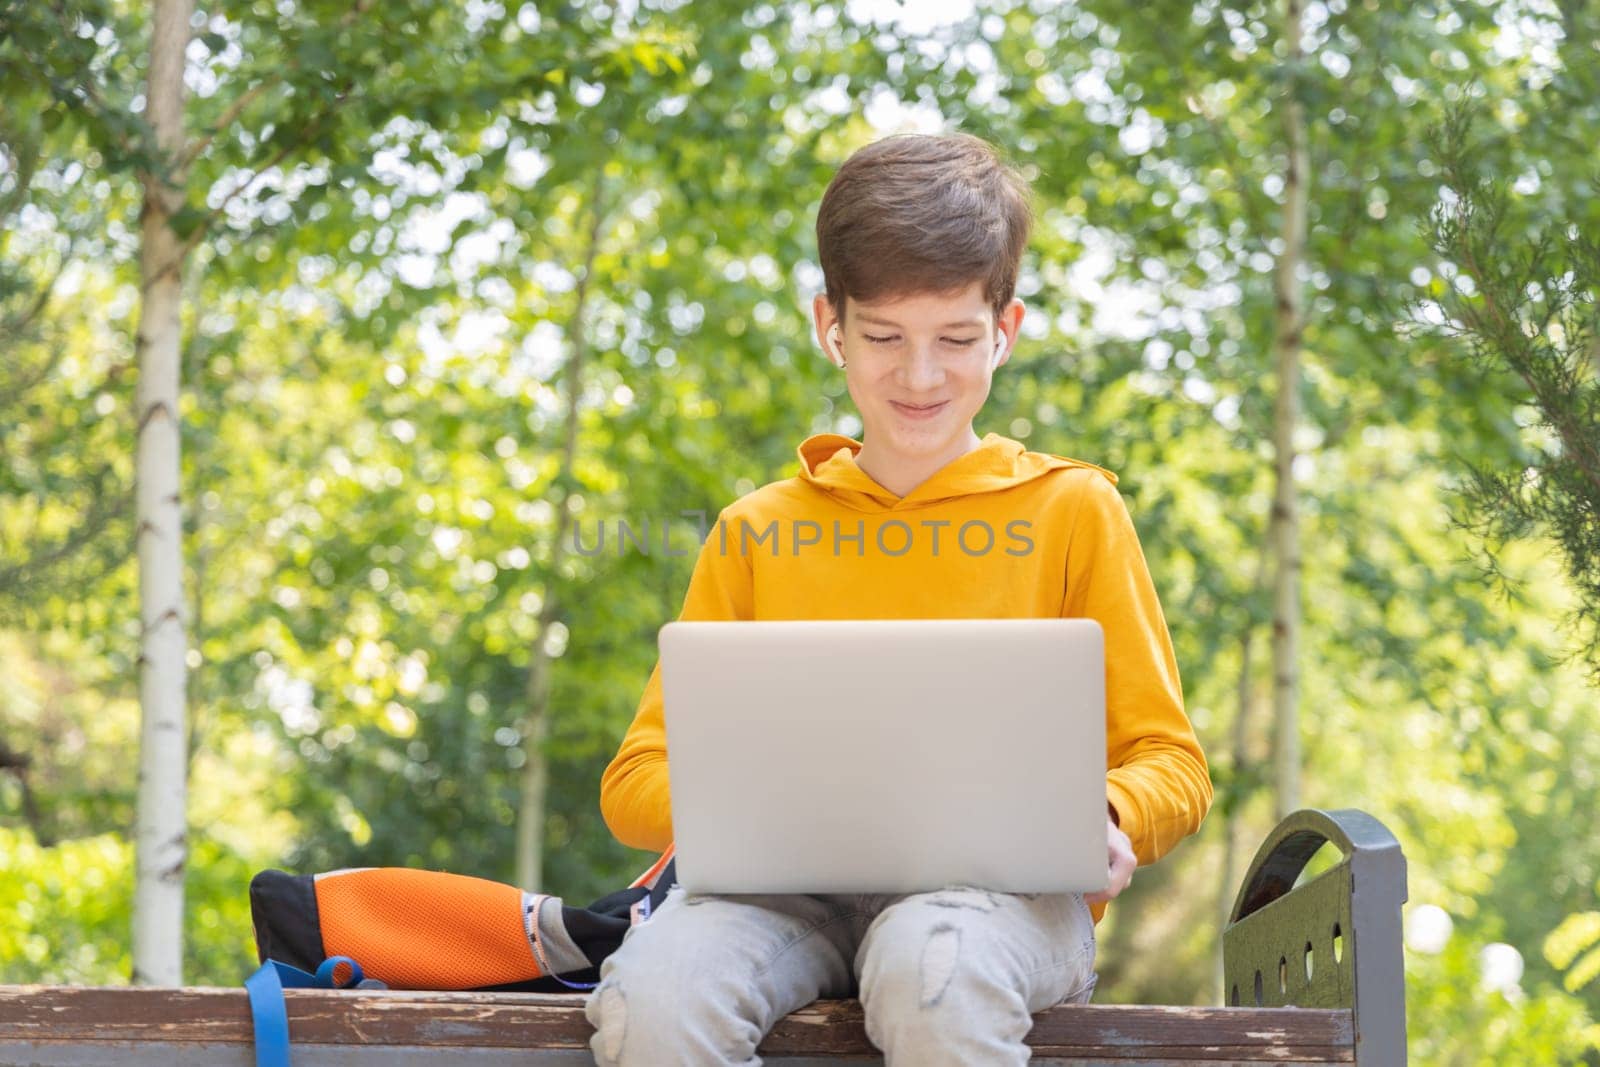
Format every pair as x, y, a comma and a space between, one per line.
940, 955
964, 897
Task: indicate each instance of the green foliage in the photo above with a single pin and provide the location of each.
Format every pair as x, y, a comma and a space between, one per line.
1456, 1022
395, 207
1574, 947
63, 490
65, 910
1528, 309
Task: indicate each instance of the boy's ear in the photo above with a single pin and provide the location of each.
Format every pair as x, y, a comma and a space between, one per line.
827, 326
1006, 340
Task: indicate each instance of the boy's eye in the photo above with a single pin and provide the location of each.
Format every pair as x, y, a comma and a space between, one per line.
962, 341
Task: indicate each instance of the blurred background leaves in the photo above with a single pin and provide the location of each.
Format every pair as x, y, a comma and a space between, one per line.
394, 206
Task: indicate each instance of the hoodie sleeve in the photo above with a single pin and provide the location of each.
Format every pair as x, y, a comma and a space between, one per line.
634, 797
1157, 781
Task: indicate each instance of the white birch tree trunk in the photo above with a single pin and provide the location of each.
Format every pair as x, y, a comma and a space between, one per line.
1288, 331
162, 846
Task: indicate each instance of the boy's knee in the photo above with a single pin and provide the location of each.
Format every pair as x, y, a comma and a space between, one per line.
925, 971
652, 1016
933, 1002
911, 968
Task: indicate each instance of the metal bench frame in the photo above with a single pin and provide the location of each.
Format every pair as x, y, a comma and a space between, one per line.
1334, 942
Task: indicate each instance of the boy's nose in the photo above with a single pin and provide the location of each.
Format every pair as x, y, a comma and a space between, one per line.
923, 370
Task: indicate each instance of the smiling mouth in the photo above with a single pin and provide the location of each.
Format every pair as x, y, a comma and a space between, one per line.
915, 409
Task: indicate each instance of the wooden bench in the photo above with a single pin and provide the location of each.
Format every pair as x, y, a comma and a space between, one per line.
1347, 1006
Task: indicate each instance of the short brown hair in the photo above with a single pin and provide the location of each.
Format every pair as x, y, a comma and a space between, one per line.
922, 213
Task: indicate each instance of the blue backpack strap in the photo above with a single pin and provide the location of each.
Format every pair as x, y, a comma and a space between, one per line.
268, 1016
267, 1011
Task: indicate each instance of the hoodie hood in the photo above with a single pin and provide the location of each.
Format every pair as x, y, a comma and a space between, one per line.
828, 462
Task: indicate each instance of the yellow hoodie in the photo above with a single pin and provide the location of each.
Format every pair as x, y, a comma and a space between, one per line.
1000, 532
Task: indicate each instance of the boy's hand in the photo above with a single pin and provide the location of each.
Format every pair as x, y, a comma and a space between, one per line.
1122, 864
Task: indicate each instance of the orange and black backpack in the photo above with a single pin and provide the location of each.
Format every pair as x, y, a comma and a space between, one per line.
399, 928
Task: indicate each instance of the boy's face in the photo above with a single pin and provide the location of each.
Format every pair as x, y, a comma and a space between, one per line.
918, 366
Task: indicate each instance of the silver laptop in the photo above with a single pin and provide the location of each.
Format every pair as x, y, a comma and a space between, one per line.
886, 756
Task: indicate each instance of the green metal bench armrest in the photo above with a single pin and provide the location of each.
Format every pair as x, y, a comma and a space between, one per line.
1333, 942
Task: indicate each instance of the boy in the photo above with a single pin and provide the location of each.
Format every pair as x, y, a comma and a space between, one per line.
920, 239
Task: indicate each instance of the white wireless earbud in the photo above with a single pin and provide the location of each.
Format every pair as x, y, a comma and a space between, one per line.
836, 346
999, 348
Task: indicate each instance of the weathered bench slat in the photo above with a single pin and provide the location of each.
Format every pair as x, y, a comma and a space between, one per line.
143, 1054
49, 1025
194, 1054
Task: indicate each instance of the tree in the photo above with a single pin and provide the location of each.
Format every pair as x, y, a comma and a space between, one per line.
1523, 303
163, 737
261, 111
1288, 334
534, 725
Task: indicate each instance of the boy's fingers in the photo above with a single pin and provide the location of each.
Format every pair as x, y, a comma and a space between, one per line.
1124, 876
1120, 866
1120, 877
